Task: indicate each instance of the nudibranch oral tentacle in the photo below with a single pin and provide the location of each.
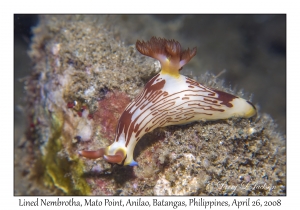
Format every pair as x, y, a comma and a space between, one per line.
169, 98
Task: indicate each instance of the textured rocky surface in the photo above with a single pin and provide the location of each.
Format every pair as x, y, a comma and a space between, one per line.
86, 70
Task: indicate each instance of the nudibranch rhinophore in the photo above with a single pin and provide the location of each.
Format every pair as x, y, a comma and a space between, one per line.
169, 98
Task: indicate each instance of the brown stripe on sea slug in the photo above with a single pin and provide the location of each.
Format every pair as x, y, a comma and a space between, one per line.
189, 118
206, 102
124, 124
162, 94
152, 98
145, 117
132, 126
226, 98
130, 132
155, 111
220, 98
136, 127
158, 117
171, 95
151, 93
214, 109
204, 107
160, 105
192, 82
201, 95
213, 101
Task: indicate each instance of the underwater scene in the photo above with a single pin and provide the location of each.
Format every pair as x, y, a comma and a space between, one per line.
148, 105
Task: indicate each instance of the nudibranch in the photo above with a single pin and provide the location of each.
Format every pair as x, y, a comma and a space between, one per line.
169, 98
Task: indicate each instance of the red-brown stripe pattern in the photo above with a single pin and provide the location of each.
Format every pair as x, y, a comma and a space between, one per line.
155, 107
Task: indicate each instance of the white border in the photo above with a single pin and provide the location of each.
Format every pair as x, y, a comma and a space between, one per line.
154, 6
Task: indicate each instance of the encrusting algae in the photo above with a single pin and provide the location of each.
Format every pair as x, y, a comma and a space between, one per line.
83, 77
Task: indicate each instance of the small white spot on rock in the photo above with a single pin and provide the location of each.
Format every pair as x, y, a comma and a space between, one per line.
84, 128
251, 131
189, 156
89, 91
55, 49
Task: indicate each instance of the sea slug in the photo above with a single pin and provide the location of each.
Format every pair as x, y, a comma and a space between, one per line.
169, 98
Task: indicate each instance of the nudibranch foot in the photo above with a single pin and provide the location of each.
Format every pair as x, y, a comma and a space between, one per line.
169, 98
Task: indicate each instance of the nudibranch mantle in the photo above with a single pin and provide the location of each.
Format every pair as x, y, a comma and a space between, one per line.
169, 98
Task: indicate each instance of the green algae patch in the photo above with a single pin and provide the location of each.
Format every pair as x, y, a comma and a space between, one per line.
80, 184
62, 172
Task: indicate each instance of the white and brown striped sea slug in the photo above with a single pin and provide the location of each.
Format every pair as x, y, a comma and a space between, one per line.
169, 98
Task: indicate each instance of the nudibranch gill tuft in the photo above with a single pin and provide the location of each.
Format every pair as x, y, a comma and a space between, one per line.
169, 98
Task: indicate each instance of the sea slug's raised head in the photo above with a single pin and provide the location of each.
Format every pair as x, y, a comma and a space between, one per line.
169, 53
